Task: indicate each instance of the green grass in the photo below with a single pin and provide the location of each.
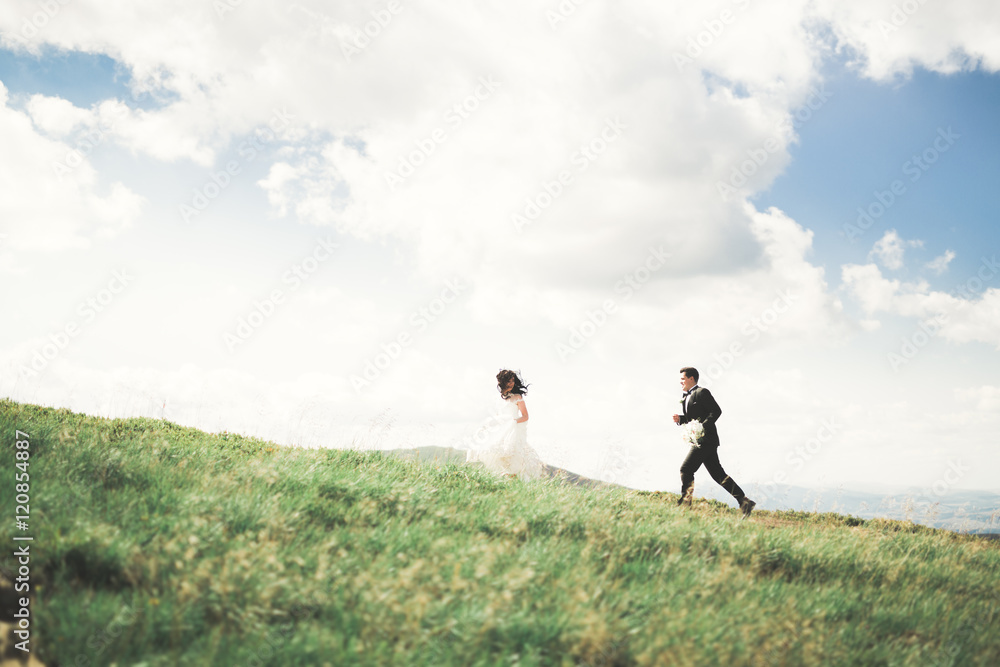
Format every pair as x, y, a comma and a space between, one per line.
157, 544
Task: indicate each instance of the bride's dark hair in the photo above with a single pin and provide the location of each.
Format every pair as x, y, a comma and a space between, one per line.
505, 376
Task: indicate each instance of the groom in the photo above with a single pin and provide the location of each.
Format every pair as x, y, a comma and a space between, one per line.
699, 405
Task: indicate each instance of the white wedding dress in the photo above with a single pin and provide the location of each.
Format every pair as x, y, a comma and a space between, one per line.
507, 450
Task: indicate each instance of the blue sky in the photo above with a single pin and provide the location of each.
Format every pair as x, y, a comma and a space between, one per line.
853, 145
81, 78
526, 295
858, 142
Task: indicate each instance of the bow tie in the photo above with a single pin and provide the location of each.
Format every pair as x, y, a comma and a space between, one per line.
687, 392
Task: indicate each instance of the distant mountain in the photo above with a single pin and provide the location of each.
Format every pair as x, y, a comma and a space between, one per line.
959, 510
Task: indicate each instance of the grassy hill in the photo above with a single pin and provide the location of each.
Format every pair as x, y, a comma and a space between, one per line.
444, 455
156, 544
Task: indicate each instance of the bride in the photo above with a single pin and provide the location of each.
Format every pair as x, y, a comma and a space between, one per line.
510, 453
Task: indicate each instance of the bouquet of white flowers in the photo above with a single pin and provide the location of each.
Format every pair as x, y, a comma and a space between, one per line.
693, 432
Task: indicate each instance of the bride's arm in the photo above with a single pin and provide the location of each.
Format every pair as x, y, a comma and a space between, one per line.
524, 412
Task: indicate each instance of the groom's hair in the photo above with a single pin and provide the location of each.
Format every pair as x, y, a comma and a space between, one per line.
690, 372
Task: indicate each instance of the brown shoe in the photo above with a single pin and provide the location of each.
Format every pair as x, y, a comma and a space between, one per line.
747, 506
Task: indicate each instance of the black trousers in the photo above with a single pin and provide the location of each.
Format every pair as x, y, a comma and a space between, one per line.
709, 456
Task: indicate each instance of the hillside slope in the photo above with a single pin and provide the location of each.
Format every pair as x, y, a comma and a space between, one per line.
163, 545
963, 511
445, 455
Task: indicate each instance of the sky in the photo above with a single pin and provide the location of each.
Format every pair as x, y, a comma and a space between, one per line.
332, 226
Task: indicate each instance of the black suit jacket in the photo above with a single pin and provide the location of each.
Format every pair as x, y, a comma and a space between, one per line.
702, 407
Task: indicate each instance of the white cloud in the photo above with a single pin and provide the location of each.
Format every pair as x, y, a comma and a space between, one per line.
221, 76
940, 264
179, 132
888, 38
986, 398
957, 318
890, 248
683, 130
56, 116
52, 198
869, 287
